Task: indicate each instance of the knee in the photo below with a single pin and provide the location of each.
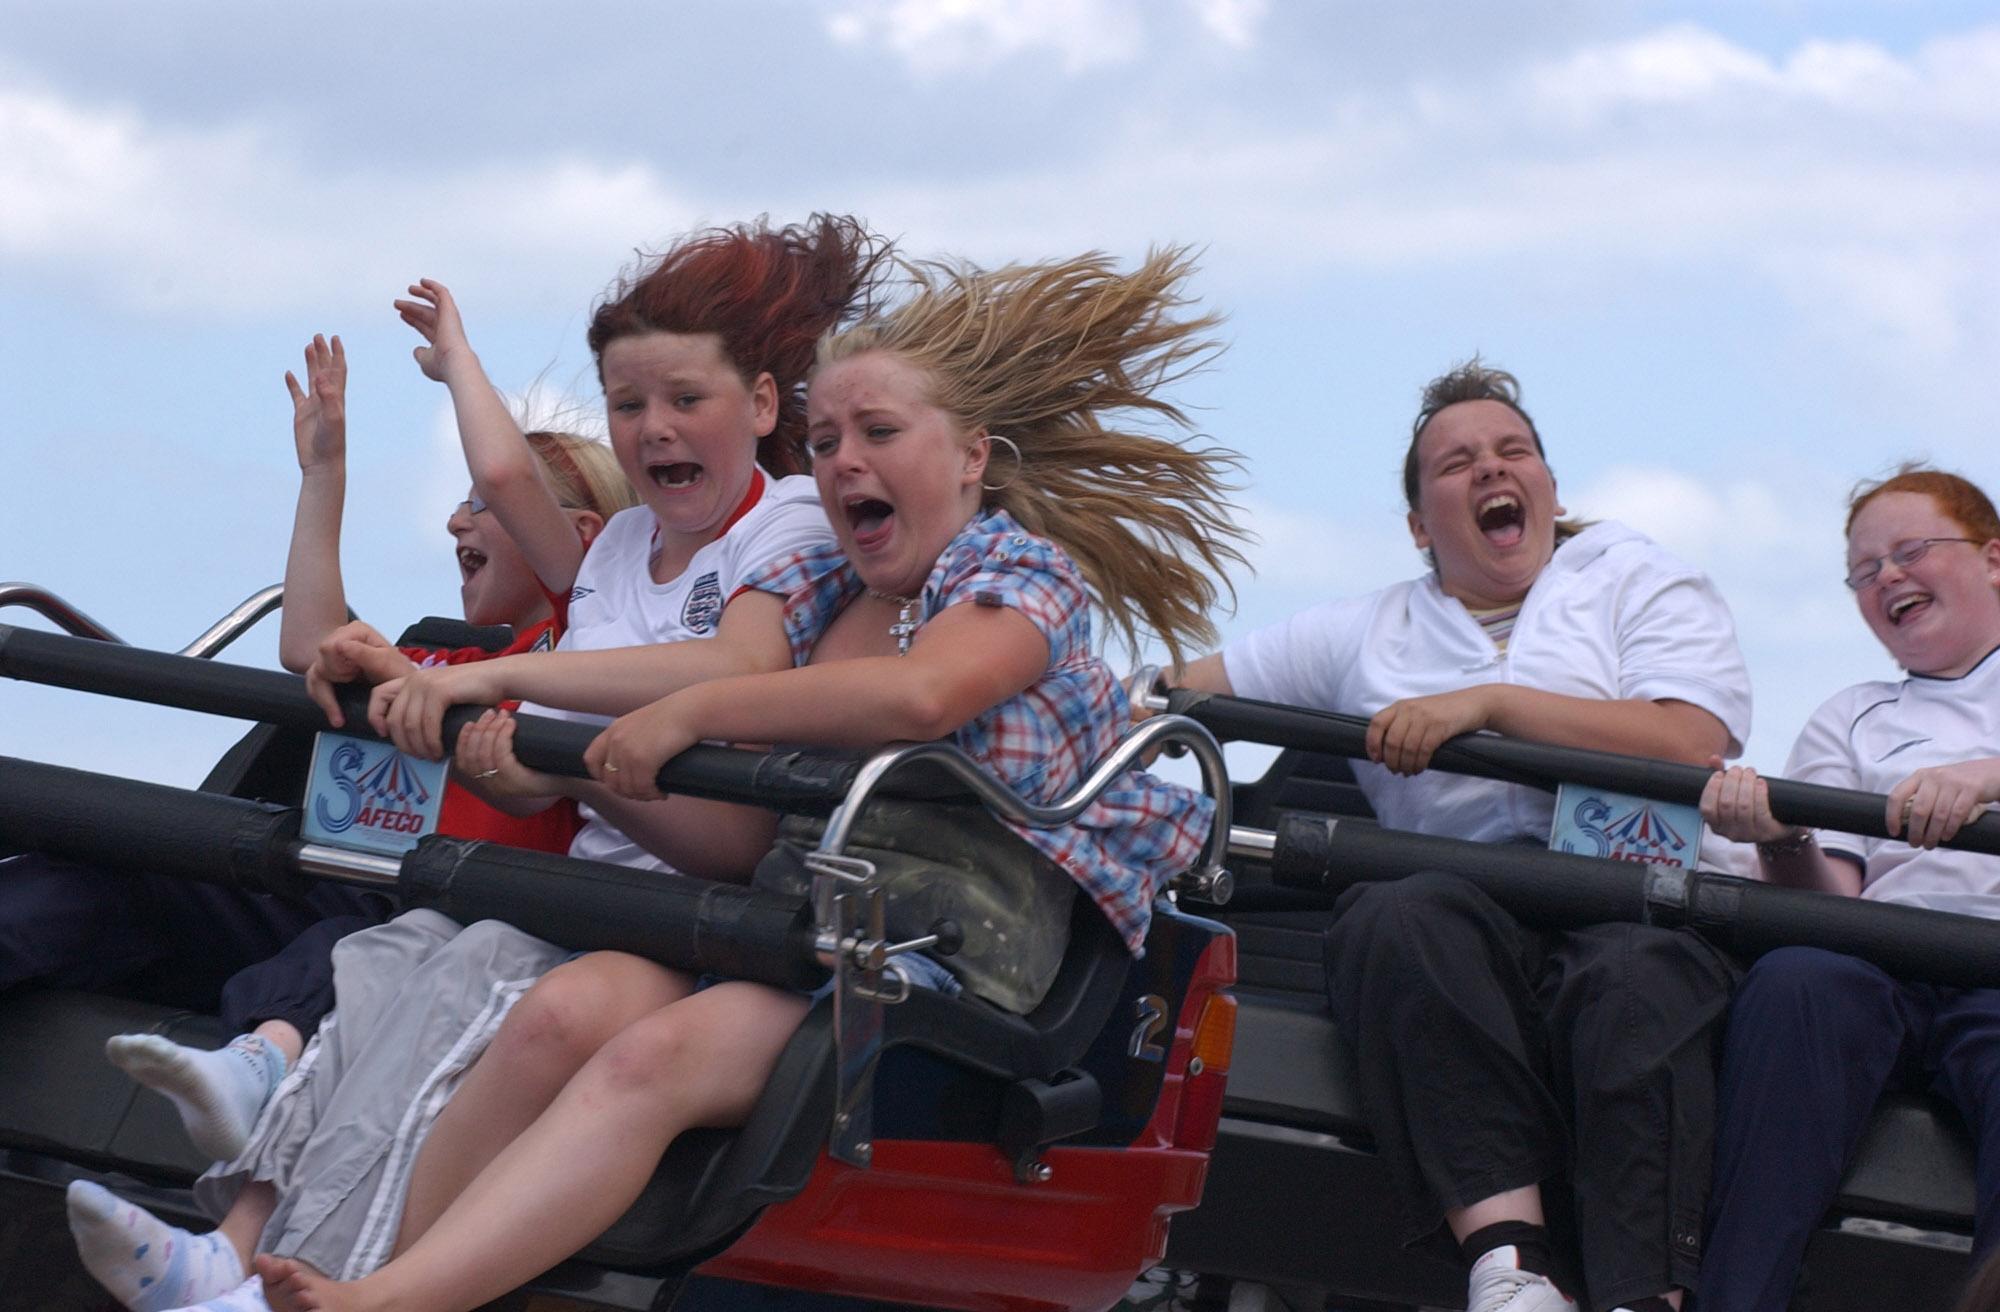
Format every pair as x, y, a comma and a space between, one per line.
1793, 982
568, 1015
1423, 898
1669, 969
1418, 915
645, 1056
1392, 935
1791, 973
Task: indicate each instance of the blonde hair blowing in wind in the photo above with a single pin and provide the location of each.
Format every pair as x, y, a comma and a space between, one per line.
1049, 356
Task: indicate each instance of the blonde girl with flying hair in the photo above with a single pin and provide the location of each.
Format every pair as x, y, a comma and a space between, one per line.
983, 499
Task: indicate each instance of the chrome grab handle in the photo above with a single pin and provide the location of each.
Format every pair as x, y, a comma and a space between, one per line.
217, 636
848, 902
57, 611
1010, 805
238, 621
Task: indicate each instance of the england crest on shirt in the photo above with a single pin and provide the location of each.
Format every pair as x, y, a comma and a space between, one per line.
704, 604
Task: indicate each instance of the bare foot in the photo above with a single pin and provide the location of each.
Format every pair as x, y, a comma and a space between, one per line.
292, 1286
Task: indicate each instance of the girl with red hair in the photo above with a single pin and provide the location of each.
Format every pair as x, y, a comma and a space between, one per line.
703, 356
1815, 1037
982, 505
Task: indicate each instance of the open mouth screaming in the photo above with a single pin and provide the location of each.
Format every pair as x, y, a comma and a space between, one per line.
674, 475
869, 518
470, 562
1502, 519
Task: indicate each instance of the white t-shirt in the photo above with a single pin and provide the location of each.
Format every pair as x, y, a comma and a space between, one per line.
1873, 736
615, 603
1611, 616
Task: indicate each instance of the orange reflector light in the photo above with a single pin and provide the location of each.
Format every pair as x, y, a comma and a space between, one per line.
1215, 1033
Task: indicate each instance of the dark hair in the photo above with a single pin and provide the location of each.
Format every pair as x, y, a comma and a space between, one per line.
1470, 381
767, 293
1474, 380
1959, 498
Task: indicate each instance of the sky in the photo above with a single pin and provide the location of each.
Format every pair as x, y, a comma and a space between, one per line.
1740, 255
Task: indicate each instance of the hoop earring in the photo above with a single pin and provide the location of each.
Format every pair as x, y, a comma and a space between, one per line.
1013, 446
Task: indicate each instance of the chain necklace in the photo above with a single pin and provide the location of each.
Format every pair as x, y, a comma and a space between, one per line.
905, 626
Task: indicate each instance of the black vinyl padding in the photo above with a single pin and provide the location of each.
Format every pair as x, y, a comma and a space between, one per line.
60, 1095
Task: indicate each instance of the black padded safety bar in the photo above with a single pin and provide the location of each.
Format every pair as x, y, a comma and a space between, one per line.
1560, 890
102, 820
785, 780
691, 924
1511, 760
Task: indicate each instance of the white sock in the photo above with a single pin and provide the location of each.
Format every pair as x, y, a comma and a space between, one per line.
142, 1261
218, 1094
246, 1297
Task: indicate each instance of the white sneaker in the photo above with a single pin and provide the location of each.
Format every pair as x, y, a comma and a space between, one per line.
1499, 1285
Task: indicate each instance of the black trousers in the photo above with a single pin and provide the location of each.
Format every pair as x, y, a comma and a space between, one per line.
1495, 1056
250, 957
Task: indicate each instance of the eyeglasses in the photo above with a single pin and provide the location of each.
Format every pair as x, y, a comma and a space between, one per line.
476, 505
1905, 554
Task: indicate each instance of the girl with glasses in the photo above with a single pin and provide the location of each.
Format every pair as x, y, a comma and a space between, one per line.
1815, 1037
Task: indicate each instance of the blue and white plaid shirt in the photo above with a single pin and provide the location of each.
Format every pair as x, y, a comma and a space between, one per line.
1142, 830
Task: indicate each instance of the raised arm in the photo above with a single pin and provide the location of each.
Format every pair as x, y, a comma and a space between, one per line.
315, 600
505, 472
749, 639
968, 659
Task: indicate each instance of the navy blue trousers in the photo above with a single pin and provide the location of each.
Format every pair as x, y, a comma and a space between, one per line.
250, 957
1814, 1039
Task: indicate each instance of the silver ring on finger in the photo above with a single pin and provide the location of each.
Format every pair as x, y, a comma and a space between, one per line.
486, 774
611, 767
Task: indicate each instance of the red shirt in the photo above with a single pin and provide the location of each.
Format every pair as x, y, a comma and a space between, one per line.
464, 815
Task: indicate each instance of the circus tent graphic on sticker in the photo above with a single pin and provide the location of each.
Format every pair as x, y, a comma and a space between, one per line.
1646, 829
393, 781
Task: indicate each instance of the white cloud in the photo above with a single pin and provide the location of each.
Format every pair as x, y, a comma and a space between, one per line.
1234, 22
934, 37
937, 37
1687, 66
1680, 64
1301, 557
234, 220
1857, 183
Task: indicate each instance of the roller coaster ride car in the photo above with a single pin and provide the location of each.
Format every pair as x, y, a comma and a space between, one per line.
1900, 1229
910, 1147
973, 1197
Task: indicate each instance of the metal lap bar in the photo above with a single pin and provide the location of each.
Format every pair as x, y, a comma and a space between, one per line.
55, 610
212, 640
848, 905
238, 621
